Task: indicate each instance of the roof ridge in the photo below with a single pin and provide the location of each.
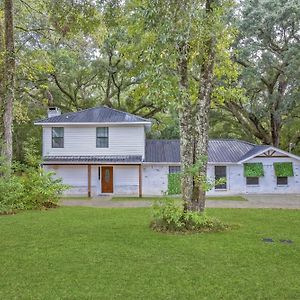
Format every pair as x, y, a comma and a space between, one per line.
221, 139
162, 139
124, 112
234, 139
91, 112
68, 113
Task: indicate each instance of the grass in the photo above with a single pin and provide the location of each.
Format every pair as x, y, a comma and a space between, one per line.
230, 198
140, 198
93, 253
75, 198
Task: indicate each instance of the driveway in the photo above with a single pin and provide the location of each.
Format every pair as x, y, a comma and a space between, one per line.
260, 201
254, 201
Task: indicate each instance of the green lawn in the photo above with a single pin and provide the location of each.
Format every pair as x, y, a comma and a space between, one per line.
230, 198
75, 198
93, 253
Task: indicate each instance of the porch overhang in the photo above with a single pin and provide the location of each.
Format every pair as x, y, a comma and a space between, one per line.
93, 160
98, 160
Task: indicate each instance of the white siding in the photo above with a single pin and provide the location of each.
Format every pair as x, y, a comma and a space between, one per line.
76, 177
236, 182
155, 179
81, 140
126, 180
268, 183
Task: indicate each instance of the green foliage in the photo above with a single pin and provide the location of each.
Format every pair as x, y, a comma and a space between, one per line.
198, 171
253, 170
169, 216
11, 195
28, 188
283, 169
268, 52
174, 184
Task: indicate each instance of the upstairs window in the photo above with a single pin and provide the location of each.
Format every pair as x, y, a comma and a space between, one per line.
102, 137
252, 180
174, 169
220, 173
283, 180
57, 137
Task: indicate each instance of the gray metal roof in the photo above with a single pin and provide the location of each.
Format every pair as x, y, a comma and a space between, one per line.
95, 158
255, 150
218, 150
162, 151
101, 114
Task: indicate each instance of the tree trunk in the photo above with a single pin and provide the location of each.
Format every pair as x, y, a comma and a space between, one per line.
1, 76
202, 116
185, 125
9, 81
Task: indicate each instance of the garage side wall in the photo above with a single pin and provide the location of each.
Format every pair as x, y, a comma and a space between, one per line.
155, 179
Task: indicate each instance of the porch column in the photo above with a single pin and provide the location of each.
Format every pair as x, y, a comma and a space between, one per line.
89, 180
140, 181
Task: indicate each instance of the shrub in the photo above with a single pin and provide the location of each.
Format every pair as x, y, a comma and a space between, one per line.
169, 216
41, 189
28, 188
174, 184
11, 194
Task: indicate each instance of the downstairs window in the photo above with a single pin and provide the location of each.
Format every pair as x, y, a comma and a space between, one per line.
220, 173
283, 180
252, 180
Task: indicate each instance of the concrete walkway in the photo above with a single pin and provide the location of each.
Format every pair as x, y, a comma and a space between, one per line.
254, 201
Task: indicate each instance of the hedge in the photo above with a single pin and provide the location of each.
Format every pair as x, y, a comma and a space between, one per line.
174, 184
283, 169
253, 170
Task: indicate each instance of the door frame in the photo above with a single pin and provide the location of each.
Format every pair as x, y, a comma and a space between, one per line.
101, 178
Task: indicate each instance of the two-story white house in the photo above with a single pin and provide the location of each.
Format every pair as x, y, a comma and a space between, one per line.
105, 151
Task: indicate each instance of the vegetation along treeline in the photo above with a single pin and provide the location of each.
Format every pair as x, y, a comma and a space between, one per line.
198, 69
79, 54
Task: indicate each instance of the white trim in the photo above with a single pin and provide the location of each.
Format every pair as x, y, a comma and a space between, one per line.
97, 163
267, 149
179, 164
55, 124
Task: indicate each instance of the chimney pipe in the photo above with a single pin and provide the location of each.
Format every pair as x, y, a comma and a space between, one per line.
53, 112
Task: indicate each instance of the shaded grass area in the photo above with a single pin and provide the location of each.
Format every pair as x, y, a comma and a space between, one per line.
75, 198
141, 198
227, 198
92, 253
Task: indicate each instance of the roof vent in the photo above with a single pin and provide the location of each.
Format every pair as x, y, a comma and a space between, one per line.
53, 112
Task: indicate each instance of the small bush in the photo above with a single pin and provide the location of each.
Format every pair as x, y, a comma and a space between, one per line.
11, 194
31, 188
169, 216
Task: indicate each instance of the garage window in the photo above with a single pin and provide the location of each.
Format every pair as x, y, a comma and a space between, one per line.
282, 180
174, 169
252, 180
220, 173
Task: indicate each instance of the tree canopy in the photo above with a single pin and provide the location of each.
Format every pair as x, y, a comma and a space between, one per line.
127, 54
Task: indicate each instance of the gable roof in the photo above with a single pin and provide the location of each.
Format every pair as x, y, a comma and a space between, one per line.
100, 114
261, 149
219, 151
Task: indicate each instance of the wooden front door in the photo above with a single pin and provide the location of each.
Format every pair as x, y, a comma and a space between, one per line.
107, 180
